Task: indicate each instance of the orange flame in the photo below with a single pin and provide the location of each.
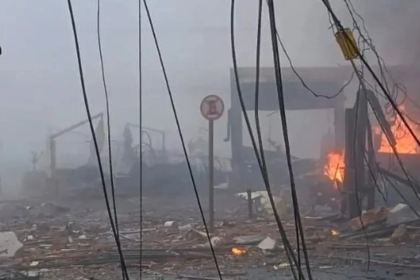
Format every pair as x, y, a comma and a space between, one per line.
334, 233
405, 143
238, 251
334, 169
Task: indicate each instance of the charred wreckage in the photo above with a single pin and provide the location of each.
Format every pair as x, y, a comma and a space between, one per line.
164, 172
376, 168
329, 180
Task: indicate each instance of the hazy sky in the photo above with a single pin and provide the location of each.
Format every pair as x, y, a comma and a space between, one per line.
39, 77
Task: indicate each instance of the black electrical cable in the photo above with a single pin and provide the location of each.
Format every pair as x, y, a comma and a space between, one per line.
363, 41
386, 93
375, 181
111, 171
413, 102
292, 259
302, 81
394, 150
108, 117
95, 142
181, 136
385, 178
366, 64
389, 181
385, 195
141, 137
406, 96
256, 109
397, 87
257, 86
372, 156
411, 119
332, 26
279, 83
328, 97
396, 154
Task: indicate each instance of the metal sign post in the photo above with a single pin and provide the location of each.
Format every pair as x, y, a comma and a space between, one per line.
211, 108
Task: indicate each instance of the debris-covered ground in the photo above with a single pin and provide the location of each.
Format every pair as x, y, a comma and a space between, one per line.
74, 241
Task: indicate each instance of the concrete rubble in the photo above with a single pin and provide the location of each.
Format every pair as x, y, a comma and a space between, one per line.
400, 234
372, 217
9, 244
267, 244
54, 242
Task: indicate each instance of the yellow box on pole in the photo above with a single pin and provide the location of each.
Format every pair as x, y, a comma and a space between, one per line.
347, 43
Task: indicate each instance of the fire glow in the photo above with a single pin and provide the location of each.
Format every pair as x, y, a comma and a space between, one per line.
334, 169
238, 251
405, 143
334, 233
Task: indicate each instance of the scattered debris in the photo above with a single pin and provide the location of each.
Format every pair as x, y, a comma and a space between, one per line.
401, 213
9, 244
399, 207
248, 240
369, 218
184, 228
190, 277
267, 244
171, 224
282, 265
195, 234
79, 239
400, 234
264, 201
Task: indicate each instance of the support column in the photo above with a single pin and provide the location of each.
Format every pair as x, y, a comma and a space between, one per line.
372, 170
339, 124
349, 189
236, 139
360, 156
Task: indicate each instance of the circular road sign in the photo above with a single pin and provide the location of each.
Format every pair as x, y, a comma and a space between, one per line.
212, 107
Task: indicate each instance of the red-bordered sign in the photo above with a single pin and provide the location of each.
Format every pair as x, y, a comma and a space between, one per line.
212, 107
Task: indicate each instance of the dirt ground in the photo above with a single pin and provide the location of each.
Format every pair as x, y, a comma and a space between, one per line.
74, 240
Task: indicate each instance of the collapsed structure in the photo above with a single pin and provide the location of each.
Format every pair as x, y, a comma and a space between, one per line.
164, 172
330, 177
342, 158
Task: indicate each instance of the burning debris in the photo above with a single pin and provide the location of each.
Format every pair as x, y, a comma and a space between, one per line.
334, 233
334, 169
405, 143
236, 251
